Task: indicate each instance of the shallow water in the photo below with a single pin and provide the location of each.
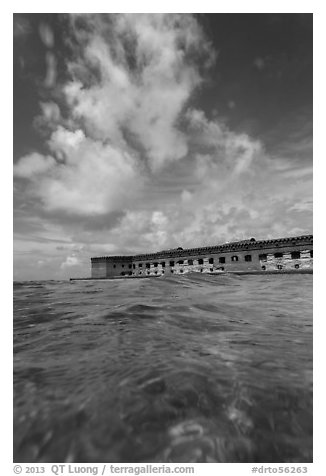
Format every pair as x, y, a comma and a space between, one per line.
178, 369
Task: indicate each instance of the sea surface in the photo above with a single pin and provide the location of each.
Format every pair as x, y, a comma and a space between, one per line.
192, 368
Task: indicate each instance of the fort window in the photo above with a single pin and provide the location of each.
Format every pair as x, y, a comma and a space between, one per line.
201, 270
263, 268
172, 271
140, 265
155, 265
190, 261
221, 268
130, 273
278, 255
279, 266
155, 272
123, 265
297, 266
114, 266
211, 269
122, 274
221, 259
234, 258
181, 270
295, 255
211, 260
180, 261
148, 265
129, 266
311, 254
200, 261
248, 258
263, 257
133, 266
171, 263
163, 264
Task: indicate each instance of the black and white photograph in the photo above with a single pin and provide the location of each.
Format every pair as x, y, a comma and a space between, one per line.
162, 241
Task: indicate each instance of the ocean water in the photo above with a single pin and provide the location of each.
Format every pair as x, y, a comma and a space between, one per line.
175, 369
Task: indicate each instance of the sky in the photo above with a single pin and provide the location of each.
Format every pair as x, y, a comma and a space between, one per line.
143, 132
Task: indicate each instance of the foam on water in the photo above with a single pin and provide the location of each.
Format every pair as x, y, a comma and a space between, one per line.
180, 369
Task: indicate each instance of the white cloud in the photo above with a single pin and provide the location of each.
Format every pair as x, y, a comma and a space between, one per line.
51, 70
33, 164
148, 97
130, 145
46, 34
69, 262
259, 63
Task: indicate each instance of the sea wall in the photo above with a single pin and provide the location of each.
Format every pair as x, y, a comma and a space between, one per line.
284, 255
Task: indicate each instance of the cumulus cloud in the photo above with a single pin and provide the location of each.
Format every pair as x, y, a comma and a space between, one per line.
51, 70
145, 93
69, 262
130, 80
132, 165
259, 63
33, 165
46, 34
91, 178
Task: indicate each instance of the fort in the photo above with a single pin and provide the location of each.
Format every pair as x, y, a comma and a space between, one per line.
282, 255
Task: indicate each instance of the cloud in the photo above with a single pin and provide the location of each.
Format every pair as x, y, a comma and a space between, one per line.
90, 177
33, 165
46, 35
122, 119
69, 262
51, 70
21, 26
259, 63
132, 165
145, 95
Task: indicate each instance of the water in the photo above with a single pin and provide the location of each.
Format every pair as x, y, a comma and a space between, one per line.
179, 369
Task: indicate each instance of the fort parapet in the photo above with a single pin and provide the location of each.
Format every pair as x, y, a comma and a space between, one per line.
292, 255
